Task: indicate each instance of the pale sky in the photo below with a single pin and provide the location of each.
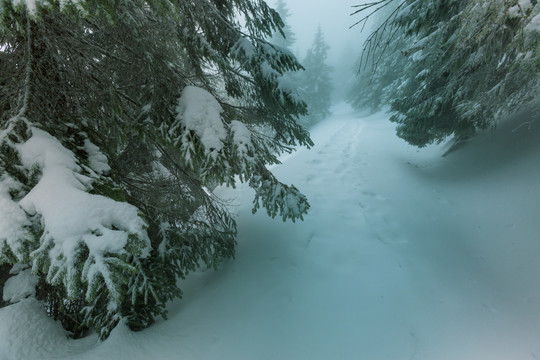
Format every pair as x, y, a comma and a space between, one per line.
335, 20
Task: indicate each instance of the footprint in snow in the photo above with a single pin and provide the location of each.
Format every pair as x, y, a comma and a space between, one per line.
310, 178
373, 195
385, 230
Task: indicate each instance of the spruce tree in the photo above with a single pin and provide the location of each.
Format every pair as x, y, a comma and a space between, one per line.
468, 64
117, 119
283, 37
315, 81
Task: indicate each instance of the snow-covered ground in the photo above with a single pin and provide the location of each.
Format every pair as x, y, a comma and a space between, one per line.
405, 255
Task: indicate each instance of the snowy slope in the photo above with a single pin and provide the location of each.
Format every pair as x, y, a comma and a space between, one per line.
405, 255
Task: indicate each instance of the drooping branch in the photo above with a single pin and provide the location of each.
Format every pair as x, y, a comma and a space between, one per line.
366, 6
377, 42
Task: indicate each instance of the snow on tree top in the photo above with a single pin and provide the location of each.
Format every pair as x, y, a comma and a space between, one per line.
32, 5
520, 8
199, 111
97, 160
29, 4
245, 47
69, 213
241, 137
534, 25
13, 219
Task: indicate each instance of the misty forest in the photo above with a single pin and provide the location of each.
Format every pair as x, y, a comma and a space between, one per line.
279, 179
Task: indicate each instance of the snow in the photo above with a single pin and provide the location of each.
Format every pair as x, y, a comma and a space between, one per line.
27, 333
97, 160
405, 254
20, 286
70, 215
29, 4
13, 219
32, 5
241, 138
268, 71
69, 212
287, 86
533, 25
199, 111
244, 48
520, 8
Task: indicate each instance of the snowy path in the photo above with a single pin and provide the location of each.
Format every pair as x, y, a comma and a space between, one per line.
405, 255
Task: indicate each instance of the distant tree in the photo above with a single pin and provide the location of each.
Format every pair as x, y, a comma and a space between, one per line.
344, 70
468, 63
283, 37
316, 82
117, 118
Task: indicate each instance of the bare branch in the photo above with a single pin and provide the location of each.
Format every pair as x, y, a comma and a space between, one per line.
378, 41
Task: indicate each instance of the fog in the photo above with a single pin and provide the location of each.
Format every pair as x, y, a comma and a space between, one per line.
333, 17
335, 20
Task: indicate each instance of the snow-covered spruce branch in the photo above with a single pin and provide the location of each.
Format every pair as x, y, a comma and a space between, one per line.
464, 65
132, 147
278, 198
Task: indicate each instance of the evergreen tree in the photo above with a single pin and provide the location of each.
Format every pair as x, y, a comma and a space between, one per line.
380, 67
284, 37
345, 67
117, 118
469, 63
316, 83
